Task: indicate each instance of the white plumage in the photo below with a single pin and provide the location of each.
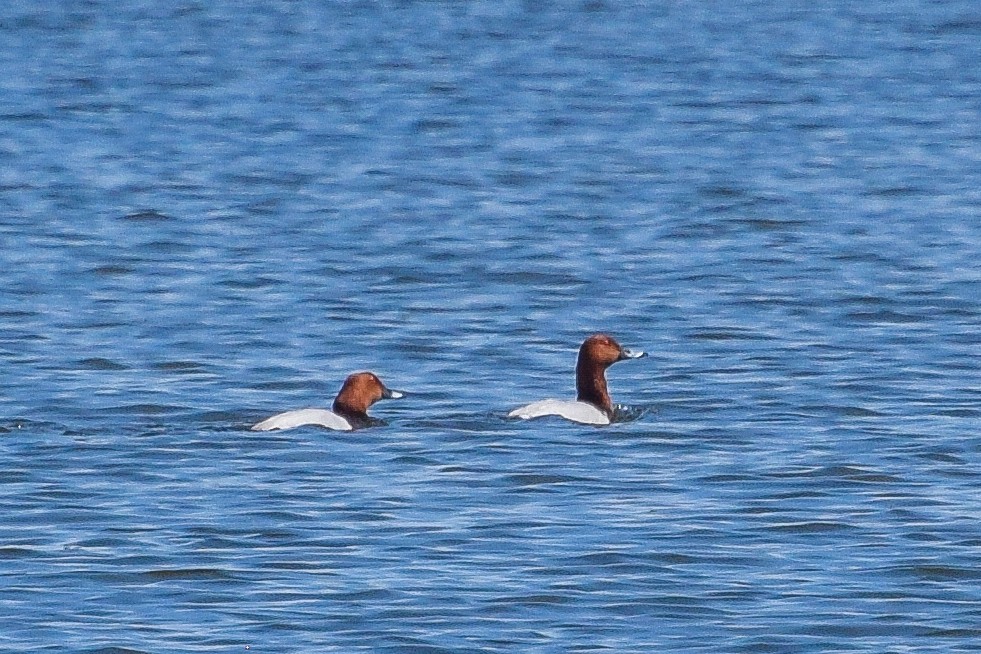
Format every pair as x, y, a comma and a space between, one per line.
573, 410
300, 417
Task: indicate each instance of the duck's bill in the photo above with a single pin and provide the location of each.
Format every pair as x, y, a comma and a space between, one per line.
627, 353
390, 394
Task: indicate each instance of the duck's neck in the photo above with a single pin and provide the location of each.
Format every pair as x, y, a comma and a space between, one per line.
591, 387
357, 417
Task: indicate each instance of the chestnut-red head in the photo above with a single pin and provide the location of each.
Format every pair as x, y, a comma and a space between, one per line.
597, 353
359, 391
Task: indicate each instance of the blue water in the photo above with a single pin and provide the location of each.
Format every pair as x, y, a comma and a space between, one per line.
214, 211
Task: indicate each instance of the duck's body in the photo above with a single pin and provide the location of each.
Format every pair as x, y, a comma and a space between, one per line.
573, 410
593, 405
300, 417
349, 411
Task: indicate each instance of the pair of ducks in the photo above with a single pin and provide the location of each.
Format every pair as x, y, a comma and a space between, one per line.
362, 389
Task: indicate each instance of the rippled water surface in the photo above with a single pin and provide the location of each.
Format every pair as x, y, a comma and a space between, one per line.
213, 211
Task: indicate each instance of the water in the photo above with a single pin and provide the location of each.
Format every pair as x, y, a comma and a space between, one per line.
212, 212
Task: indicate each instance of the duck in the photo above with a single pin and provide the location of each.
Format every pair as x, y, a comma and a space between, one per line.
592, 405
349, 411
